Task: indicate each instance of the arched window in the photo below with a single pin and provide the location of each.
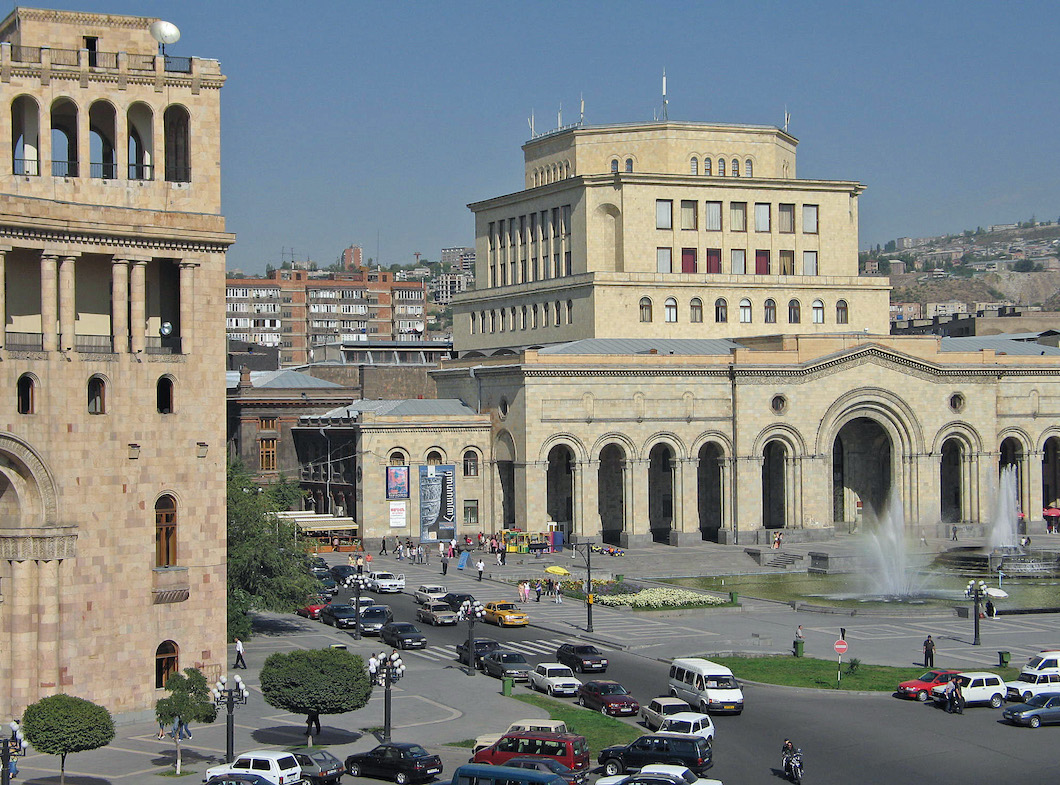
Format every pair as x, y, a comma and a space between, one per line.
721, 310
706, 167
167, 662
614, 166
818, 312
26, 395
841, 314
397, 458
164, 395
474, 323
570, 312
141, 156
794, 312
721, 167
434, 458
745, 311
769, 311
670, 308
166, 531
559, 314
97, 396
471, 464
493, 321
177, 133
64, 138
645, 309
522, 318
747, 170
102, 135
694, 165
629, 164
735, 167
25, 136
533, 316
695, 310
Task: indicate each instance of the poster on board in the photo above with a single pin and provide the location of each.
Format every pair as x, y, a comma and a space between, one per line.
397, 482
399, 515
437, 503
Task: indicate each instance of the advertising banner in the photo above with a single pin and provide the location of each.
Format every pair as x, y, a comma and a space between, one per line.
397, 482
399, 517
437, 503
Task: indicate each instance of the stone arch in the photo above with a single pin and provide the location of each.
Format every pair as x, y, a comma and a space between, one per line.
1014, 447
615, 437
958, 430
28, 497
671, 439
575, 444
504, 455
711, 454
610, 251
560, 484
612, 474
876, 402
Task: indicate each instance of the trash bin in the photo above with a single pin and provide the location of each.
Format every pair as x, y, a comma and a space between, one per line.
506, 685
734, 597
338, 646
1003, 658
799, 647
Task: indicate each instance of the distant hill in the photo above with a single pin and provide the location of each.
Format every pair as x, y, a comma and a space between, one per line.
1020, 288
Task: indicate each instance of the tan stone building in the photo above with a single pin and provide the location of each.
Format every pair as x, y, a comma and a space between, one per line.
112, 260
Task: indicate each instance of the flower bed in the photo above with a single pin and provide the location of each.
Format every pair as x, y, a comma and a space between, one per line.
661, 599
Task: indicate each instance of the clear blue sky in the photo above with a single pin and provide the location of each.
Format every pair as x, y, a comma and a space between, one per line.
376, 123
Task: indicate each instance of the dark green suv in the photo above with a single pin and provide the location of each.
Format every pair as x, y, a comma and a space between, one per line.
693, 752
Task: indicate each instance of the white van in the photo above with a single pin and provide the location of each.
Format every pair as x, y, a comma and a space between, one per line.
1042, 663
705, 685
279, 768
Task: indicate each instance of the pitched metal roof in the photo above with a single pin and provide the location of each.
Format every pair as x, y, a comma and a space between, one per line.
410, 407
1002, 344
281, 379
690, 346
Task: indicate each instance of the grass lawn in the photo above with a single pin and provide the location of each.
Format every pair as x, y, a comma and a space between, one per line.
821, 674
599, 731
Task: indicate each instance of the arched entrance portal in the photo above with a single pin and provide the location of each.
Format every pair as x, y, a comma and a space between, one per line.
559, 504
708, 476
1012, 454
1051, 472
660, 492
861, 469
611, 496
950, 481
774, 487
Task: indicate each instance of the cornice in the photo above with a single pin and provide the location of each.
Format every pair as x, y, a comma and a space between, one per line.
40, 236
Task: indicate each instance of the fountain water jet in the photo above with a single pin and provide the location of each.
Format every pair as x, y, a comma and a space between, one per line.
1003, 534
891, 573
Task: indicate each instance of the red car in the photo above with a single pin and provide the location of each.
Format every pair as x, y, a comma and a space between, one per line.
313, 606
920, 687
609, 697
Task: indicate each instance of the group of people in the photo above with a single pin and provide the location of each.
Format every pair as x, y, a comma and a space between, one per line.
954, 696
778, 540
550, 588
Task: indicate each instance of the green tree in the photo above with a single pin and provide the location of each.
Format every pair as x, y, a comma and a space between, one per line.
320, 681
189, 700
269, 269
891, 246
1023, 266
61, 724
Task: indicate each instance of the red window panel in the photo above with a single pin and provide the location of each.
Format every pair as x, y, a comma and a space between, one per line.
713, 260
761, 262
688, 260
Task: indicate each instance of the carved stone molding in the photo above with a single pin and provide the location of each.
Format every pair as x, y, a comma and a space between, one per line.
38, 544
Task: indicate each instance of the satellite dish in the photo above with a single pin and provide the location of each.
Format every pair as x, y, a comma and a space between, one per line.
165, 32
166, 329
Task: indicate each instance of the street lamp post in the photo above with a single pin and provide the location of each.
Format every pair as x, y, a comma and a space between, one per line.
358, 583
227, 696
588, 556
471, 610
386, 669
975, 592
13, 747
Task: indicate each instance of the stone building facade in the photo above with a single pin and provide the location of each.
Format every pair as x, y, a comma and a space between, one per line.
112, 258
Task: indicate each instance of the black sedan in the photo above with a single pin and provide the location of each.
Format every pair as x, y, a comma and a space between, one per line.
402, 635
505, 664
455, 599
341, 572
401, 762
482, 646
581, 657
338, 615
1041, 709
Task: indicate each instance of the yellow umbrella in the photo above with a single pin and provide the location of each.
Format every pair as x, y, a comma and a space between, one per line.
557, 570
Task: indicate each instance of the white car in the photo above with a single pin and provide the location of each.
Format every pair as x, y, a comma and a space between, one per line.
689, 722
976, 687
279, 768
554, 679
386, 582
653, 772
429, 592
660, 708
1028, 685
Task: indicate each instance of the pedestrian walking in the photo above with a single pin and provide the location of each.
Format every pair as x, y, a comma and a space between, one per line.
313, 718
161, 730
954, 538
504, 556
360, 565
481, 567
500, 560
559, 594
799, 634
947, 692
929, 653
382, 548
539, 590
445, 564
958, 696
240, 662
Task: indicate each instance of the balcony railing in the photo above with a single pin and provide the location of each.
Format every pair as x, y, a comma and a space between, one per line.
25, 342
105, 60
141, 62
103, 171
94, 344
141, 172
156, 344
25, 54
27, 166
64, 168
178, 65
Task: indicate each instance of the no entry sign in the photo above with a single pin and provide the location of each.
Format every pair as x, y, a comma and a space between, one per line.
840, 646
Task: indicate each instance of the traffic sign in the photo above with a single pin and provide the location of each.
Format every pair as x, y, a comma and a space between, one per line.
840, 646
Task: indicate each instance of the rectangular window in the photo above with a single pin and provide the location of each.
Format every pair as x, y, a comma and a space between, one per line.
663, 260
664, 214
809, 262
712, 217
787, 263
267, 455
566, 263
738, 216
267, 424
761, 262
739, 261
786, 216
688, 260
762, 216
712, 260
689, 214
809, 218
470, 513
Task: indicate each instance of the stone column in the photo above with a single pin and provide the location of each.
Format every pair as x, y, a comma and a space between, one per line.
3, 294
1035, 498
636, 532
748, 488
138, 305
23, 635
588, 488
119, 299
47, 617
187, 302
727, 530
684, 528
49, 300
67, 303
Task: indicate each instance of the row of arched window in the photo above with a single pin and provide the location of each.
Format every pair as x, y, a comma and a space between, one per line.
28, 390
734, 167
100, 123
550, 174
436, 457
671, 311
526, 317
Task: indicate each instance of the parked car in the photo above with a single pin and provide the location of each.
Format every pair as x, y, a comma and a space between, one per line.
505, 664
582, 657
318, 568
693, 752
341, 615
340, 572
691, 723
374, 617
608, 697
319, 767
455, 599
660, 708
976, 687
277, 767
554, 678
482, 646
429, 592
314, 604
237, 779
385, 583
1028, 685
920, 687
402, 635
399, 761
436, 614
549, 766
328, 585
568, 748
544, 726
658, 774
1040, 709
1045, 661
505, 614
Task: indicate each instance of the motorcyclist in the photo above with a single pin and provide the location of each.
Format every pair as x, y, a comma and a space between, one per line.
786, 752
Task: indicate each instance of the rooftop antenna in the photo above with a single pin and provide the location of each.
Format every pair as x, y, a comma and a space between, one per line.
787, 118
559, 117
164, 33
581, 119
531, 121
666, 110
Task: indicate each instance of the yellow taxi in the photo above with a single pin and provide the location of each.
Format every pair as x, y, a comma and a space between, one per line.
505, 614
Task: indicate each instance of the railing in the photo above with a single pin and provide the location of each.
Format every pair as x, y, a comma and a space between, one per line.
141, 172
103, 60
27, 166
64, 56
156, 344
141, 62
94, 344
107, 60
26, 342
64, 168
25, 54
179, 65
103, 171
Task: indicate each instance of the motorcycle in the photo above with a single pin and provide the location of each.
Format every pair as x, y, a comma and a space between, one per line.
793, 766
